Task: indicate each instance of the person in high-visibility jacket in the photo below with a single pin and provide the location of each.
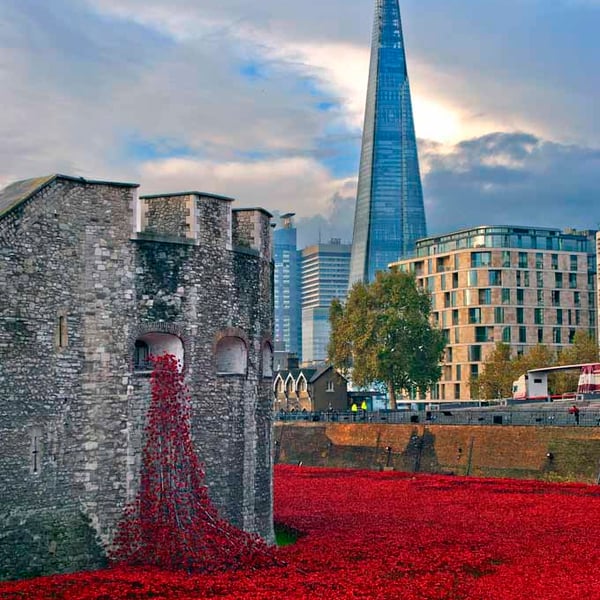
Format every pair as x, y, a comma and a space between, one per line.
363, 408
354, 410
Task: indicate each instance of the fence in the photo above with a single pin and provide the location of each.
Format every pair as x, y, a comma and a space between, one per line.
587, 417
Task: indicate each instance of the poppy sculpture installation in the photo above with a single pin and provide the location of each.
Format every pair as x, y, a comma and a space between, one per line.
172, 523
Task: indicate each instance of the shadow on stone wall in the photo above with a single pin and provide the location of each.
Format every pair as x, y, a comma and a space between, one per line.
38, 544
545, 453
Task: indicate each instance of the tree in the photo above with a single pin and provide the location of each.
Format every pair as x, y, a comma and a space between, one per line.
384, 335
497, 375
584, 349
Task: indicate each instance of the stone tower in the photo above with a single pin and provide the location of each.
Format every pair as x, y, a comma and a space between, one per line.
94, 279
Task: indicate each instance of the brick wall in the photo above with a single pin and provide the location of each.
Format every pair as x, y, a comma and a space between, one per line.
483, 451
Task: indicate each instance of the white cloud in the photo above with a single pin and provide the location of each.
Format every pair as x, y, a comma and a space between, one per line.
303, 185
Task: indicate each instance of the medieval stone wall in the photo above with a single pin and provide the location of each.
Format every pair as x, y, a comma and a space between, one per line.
76, 293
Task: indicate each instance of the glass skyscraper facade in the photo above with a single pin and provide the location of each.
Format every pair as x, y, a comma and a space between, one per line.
389, 215
287, 279
325, 271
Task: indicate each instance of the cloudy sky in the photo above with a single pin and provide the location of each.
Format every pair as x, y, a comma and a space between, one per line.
264, 100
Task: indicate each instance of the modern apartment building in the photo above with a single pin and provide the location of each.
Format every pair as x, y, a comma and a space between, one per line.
325, 271
287, 306
390, 214
519, 285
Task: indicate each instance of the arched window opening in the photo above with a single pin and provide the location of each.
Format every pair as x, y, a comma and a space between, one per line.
267, 360
289, 387
232, 356
155, 344
279, 386
301, 384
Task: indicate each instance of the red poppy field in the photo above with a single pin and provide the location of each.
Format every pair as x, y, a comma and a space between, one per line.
365, 534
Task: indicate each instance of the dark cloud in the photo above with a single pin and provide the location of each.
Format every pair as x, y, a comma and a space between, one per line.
337, 223
513, 179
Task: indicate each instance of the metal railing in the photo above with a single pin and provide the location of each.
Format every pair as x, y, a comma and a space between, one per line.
588, 417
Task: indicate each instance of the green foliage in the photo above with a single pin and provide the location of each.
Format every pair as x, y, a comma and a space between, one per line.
584, 349
498, 373
500, 368
383, 333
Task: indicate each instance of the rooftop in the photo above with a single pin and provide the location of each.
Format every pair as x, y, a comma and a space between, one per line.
20, 191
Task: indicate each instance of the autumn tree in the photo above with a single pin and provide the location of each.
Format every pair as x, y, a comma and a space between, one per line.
497, 375
384, 336
584, 349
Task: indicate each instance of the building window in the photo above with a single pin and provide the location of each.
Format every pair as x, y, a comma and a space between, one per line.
540, 297
558, 280
577, 317
577, 298
61, 335
141, 356
559, 316
555, 298
556, 335
540, 335
572, 280
455, 317
554, 261
495, 277
485, 296
267, 360
526, 278
538, 316
443, 281
505, 258
522, 335
474, 371
474, 353
330, 387
571, 336
459, 372
505, 296
454, 280
231, 356
573, 262
481, 259
35, 465
474, 315
520, 296
539, 279
522, 260
472, 278
506, 335
301, 385
539, 260
155, 344
499, 314
520, 315
483, 334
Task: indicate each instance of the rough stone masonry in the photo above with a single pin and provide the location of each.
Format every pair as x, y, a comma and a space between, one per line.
93, 280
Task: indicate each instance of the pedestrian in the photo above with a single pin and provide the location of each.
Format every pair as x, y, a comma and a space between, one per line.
354, 410
574, 410
363, 408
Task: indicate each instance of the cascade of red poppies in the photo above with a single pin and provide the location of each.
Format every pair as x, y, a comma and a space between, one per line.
172, 523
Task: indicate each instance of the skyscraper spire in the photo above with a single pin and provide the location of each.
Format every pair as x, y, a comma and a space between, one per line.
389, 214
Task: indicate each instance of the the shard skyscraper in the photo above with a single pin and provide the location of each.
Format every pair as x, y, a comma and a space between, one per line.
389, 214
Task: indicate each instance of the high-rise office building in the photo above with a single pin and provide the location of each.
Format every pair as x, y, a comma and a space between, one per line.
389, 215
288, 308
325, 270
518, 285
